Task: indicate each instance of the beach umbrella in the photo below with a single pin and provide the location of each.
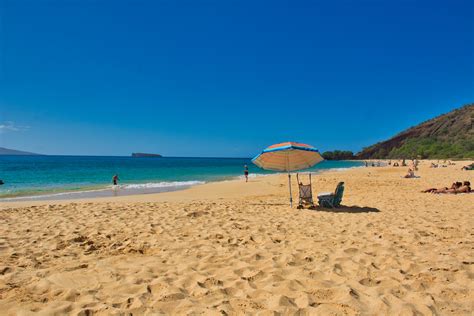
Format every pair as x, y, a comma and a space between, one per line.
288, 156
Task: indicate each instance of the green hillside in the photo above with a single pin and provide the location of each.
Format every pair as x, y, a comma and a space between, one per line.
449, 135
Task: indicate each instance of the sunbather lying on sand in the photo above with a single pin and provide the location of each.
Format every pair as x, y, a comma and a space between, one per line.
457, 187
453, 188
468, 167
465, 188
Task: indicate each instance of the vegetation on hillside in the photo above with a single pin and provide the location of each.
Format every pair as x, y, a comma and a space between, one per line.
447, 136
338, 155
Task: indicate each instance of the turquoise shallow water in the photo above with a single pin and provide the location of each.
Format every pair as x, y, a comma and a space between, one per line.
88, 176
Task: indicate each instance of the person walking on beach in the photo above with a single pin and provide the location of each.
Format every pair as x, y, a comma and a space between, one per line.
246, 173
115, 179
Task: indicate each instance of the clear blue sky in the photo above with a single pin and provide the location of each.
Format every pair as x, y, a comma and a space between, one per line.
227, 78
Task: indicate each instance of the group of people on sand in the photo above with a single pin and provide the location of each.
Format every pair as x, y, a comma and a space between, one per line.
397, 164
456, 187
444, 165
403, 163
437, 165
373, 164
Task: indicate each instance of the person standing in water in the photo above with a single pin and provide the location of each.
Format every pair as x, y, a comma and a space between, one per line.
246, 173
115, 179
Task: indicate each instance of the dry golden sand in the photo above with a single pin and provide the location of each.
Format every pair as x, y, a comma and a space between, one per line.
232, 247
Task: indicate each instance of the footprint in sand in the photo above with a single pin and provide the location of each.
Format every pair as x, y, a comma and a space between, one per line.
197, 214
337, 269
351, 250
279, 301
246, 304
335, 309
254, 277
4, 270
210, 283
172, 297
323, 294
157, 287
369, 282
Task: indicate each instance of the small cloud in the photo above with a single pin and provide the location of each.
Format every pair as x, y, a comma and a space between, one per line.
9, 126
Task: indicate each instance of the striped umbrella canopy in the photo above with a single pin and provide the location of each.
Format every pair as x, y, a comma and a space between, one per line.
288, 156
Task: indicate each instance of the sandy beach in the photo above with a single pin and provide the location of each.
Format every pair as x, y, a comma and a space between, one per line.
234, 247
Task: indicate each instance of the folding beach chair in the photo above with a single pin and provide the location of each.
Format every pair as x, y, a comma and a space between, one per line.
332, 200
305, 193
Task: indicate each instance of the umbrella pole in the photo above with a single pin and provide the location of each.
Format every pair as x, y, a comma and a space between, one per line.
289, 186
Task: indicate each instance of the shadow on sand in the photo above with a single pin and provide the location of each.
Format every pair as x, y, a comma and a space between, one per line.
340, 209
270, 204
347, 209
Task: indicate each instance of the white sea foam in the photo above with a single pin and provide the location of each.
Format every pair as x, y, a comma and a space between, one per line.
124, 189
252, 175
152, 185
340, 169
49, 195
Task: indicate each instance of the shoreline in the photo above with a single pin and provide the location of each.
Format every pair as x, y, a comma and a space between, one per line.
106, 191
145, 188
231, 187
71, 197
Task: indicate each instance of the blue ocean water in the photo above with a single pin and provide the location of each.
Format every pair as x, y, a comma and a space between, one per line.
69, 175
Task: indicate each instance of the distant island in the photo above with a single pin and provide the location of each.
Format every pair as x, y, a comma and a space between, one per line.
13, 152
142, 155
450, 135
